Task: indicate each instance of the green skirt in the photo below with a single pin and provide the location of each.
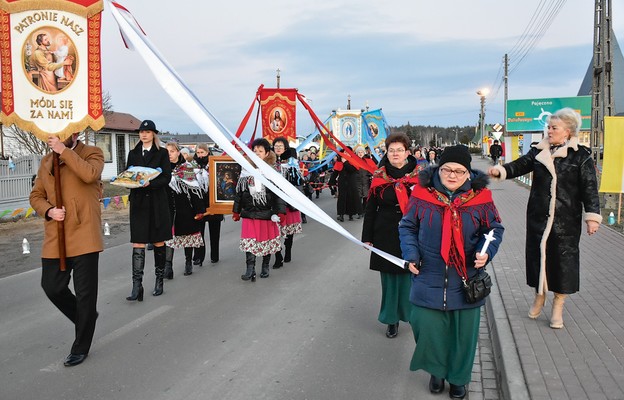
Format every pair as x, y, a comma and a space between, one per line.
395, 304
446, 342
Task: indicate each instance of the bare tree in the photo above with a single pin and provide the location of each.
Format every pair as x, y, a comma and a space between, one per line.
20, 142
88, 135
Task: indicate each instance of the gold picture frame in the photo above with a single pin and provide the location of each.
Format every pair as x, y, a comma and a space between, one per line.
223, 175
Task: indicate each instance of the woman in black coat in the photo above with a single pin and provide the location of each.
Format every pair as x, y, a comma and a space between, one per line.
261, 210
149, 209
564, 184
348, 198
202, 156
187, 191
398, 171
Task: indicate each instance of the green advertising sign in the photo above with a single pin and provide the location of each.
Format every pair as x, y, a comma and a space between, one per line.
530, 115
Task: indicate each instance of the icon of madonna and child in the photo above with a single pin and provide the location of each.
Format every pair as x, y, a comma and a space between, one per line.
227, 174
50, 59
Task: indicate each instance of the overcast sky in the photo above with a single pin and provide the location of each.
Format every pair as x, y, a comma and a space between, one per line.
419, 61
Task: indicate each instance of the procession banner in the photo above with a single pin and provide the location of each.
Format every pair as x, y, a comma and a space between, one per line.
278, 113
612, 179
376, 131
51, 73
349, 127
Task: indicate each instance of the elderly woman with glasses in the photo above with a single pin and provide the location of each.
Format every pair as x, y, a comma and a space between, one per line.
442, 234
564, 191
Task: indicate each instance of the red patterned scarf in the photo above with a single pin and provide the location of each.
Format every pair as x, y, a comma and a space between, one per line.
381, 178
452, 246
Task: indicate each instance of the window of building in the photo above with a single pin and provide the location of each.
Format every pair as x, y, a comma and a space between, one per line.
103, 141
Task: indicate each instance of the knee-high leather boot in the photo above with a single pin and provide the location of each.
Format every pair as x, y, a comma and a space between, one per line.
288, 242
265, 266
188, 265
250, 274
556, 320
169, 262
159, 264
138, 263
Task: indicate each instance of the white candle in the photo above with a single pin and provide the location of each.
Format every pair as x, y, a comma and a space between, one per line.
489, 237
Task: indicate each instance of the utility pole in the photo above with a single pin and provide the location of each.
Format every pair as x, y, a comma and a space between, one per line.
602, 85
506, 95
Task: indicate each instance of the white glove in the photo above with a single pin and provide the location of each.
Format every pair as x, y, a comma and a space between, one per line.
275, 218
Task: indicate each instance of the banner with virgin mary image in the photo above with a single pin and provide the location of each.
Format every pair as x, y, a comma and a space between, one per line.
348, 126
51, 70
278, 113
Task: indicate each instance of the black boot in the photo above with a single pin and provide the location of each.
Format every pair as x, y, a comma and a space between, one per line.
159, 265
250, 260
304, 220
436, 385
457, 391
265, 266
188, 266
288, 242
279, 261
138, 263
340, 218
168, 262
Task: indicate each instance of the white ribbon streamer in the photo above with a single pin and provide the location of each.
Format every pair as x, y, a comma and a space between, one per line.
173, 84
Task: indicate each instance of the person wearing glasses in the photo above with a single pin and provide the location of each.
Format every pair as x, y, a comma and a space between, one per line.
390, 189
441, 235
564, 192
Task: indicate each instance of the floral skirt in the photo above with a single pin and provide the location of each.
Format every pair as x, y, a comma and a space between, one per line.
259, 237
180, 242
291, 224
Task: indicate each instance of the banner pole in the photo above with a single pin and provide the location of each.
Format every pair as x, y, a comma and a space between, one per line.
59, 204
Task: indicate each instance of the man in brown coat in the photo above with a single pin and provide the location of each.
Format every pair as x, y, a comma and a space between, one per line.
80, 171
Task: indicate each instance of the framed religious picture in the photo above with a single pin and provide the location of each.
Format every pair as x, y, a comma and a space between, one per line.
224, 173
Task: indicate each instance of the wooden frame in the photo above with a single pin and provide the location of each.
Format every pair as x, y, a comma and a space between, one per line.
224, 173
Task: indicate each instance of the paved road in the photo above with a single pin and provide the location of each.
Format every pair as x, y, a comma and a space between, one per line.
309, 331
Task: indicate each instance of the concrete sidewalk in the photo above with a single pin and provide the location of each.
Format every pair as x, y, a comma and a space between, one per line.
585, 359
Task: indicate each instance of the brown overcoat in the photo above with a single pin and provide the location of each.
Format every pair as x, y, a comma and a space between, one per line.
80, 170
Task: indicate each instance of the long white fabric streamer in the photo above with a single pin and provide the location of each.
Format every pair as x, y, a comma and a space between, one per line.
173, 84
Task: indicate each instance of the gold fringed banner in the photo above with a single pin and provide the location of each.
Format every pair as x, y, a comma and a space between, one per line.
51, 66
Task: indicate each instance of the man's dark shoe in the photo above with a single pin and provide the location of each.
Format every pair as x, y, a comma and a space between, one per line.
392, 331
457, 392
436, 385
74, 359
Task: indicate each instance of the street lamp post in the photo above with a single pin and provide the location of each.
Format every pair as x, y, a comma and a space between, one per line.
482, 93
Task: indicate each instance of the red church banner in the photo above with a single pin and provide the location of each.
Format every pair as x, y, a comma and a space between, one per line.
278, 113
51, 73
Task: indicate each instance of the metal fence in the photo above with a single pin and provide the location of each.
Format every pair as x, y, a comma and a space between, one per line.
16, 179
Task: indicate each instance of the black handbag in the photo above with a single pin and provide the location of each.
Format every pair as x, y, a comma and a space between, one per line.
478, 287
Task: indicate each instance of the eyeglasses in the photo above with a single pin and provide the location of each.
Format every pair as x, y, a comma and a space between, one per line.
278, 146
458, 172
397, 151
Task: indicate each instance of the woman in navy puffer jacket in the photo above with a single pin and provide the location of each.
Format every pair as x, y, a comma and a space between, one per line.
448, 215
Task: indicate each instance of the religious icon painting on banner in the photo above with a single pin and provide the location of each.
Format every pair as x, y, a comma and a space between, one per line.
51, 66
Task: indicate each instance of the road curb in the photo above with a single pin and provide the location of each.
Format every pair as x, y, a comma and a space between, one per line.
506, 357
